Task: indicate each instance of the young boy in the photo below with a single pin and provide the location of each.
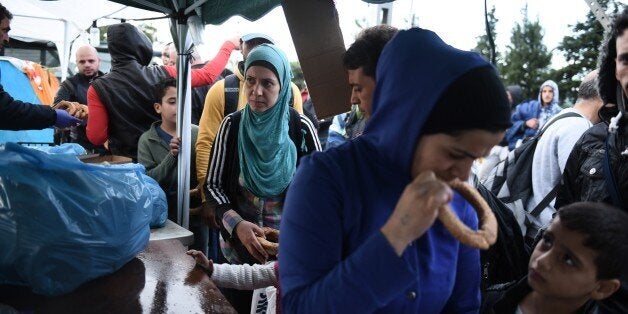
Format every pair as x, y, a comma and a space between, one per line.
578, 262
158, 149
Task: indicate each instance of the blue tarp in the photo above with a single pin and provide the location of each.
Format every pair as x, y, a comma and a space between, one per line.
19, 87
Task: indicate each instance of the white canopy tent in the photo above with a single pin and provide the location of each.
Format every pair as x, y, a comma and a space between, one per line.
63, 21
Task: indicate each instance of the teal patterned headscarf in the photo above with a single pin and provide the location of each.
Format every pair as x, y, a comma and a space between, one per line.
267, 155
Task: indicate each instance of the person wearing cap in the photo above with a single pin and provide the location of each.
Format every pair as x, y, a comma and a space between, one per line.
121, 101
224, 97
372, 244
16, 115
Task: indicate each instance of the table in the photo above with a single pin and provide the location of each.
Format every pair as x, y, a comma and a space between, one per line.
162, 279
172, 231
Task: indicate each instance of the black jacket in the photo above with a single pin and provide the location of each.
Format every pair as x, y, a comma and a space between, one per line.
17, 115
128, 90
505, 298
583, 177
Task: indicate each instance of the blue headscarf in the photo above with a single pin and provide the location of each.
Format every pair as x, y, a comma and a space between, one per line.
413, 72
267, 155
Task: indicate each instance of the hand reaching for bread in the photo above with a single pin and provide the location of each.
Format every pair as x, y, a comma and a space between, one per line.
75, 109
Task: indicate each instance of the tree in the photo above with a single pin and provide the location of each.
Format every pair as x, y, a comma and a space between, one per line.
527, 59
581, 51
483, 46
297, 74
149, 30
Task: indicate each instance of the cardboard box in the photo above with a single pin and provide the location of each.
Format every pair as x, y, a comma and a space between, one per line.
110, 159
318, 40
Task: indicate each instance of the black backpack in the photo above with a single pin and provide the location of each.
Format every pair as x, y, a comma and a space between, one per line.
507, 259
511, 180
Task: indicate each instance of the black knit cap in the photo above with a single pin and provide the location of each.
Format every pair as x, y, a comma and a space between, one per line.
476, 100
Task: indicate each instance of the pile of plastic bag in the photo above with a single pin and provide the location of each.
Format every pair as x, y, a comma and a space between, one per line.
64, 222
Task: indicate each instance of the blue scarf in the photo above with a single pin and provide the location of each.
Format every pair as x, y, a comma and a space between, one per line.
267, 155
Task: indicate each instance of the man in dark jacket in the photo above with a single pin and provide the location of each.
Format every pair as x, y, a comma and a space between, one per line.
597, 169
17, 115
74, 89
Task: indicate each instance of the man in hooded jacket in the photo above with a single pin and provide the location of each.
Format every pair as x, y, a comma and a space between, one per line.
588, 176
529, 117
121, 101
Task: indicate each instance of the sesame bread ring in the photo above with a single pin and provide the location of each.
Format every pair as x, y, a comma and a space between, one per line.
487, 233
271, 242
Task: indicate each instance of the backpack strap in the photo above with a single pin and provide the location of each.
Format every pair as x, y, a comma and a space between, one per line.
545, 201
550, 196
232, 94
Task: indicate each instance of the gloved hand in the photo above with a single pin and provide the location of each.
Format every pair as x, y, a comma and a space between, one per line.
64, 119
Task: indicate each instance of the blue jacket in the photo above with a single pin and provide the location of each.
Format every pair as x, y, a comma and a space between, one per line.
333, 257
528, 110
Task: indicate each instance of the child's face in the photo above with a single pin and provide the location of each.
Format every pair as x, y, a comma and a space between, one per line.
561, 266
168, 106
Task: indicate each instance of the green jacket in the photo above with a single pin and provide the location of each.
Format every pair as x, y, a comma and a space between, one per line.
160, 165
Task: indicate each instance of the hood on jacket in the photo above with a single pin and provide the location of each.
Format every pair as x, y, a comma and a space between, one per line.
127, 43
554, 86
414, 70
516, 93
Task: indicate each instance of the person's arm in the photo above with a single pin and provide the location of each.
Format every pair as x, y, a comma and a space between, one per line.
245, 276
163, 171
568, 189
211, 70
213, 113
315, 276
98, 122
213, 186
64, 92
465, 298
17, 115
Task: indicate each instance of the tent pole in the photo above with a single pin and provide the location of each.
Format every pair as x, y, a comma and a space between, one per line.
184, 114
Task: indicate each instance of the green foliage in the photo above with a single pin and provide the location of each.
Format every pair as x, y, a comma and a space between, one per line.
297, 74
526, 62
581, 51
149, 30
483, 46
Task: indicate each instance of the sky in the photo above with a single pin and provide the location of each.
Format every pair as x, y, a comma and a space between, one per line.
458, 22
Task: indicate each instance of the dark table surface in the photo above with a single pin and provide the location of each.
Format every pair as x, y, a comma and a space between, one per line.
162, 279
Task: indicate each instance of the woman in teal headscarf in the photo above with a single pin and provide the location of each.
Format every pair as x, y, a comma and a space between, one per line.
255, 156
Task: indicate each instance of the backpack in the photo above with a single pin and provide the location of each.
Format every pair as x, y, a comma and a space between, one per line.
232, 94
507, 259
511, 180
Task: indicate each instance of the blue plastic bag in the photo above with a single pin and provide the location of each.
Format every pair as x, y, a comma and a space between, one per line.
64, 222
73, 149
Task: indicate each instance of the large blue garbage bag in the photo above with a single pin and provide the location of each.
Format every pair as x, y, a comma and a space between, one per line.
64, 222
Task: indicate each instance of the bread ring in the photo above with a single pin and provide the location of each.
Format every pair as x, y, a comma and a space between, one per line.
271, 242
271, 248
486, 235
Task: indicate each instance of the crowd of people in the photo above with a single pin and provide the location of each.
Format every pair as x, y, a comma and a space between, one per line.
356, 217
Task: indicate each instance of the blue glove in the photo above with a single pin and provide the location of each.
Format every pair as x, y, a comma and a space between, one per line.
64, 119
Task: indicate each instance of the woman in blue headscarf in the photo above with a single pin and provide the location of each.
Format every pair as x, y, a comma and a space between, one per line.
255, 156
359, 233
